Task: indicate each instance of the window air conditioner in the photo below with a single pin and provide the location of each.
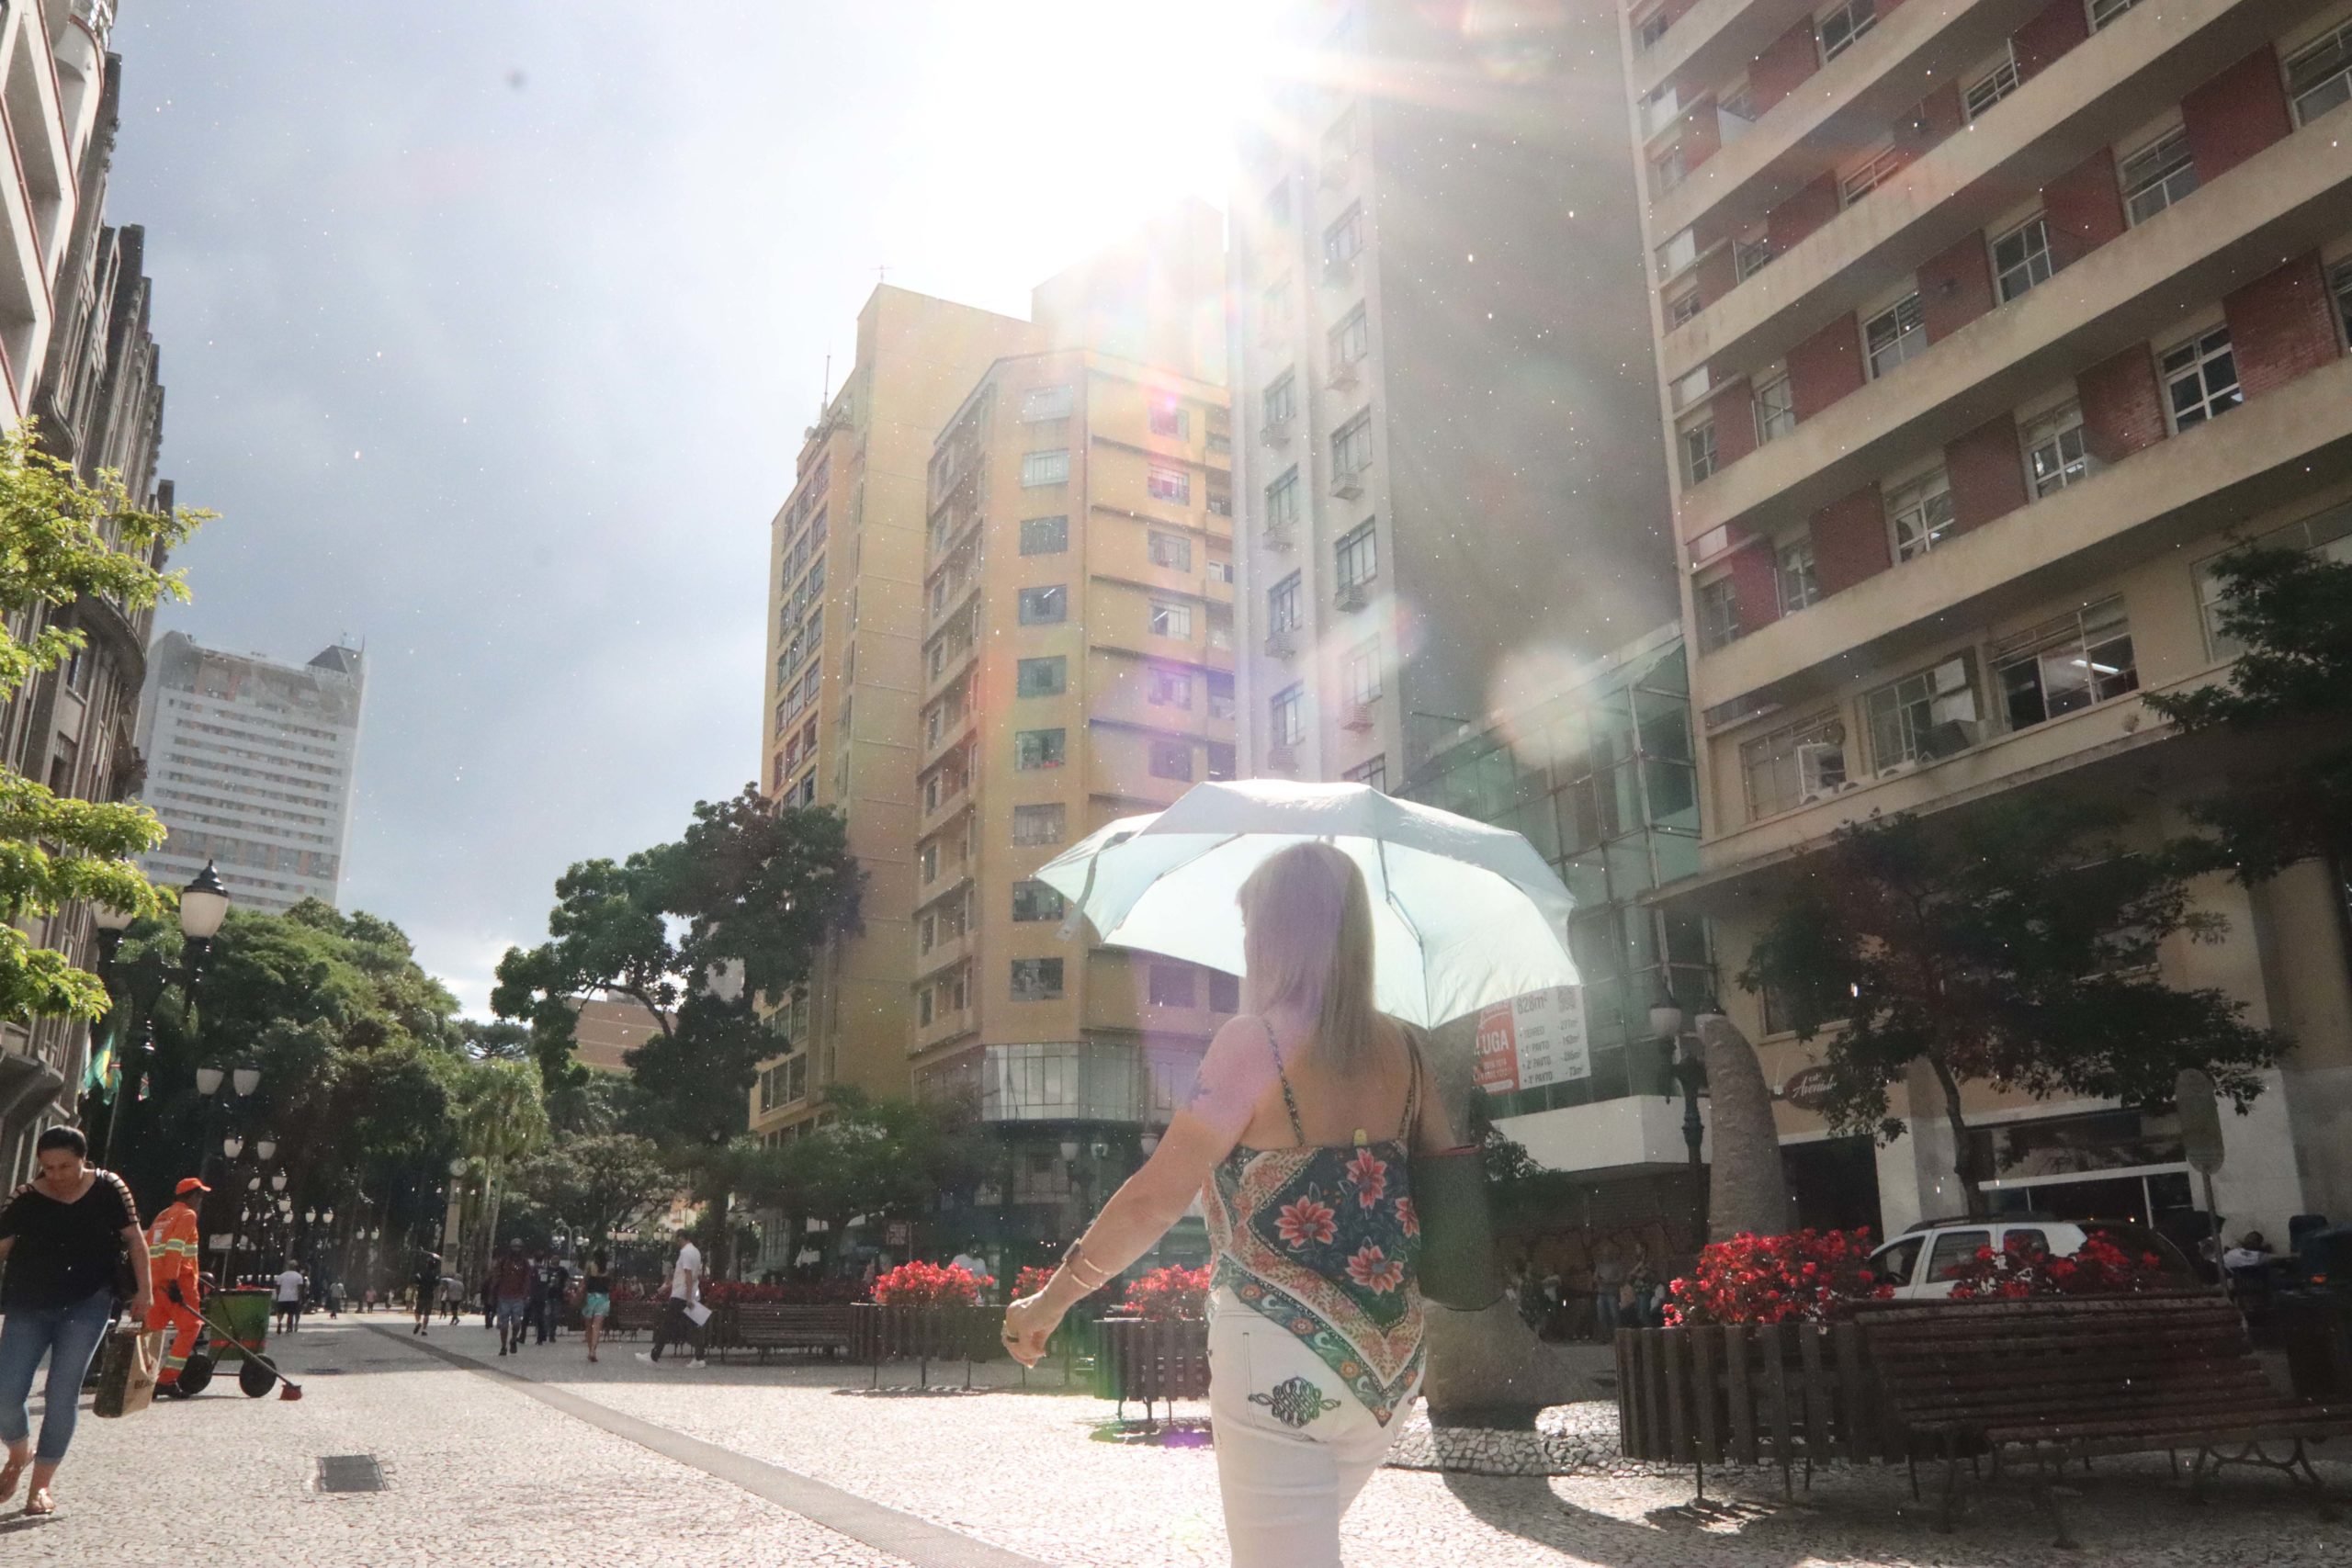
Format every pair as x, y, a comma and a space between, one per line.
1276, 433
1283, 759
1339, 269
1279, 643
1343, 375
1359, 718
1349, 486
1277, 538
1351, 597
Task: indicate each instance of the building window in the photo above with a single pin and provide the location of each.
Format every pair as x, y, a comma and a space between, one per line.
1993, 87
1173, 485
1035, 901
1840, 26
1776, 409
1876, 171
1045, 402
1682, 308
1352, 447
1794, 765
1652, 28
2105, 11
1669, 169
1169, 986
1285, 610
1351, 339
1221, 762
1359, 675
2022, 257
1921, 513
2339, 282
927, 861
1168, 417
1045, 606
2202, 379
922, 1007
2070, 663
1698, 446
1225, 992
1895, 335
1041, 677
2319, 77
1220, 696
1281, 401
1035, 825
1171, 760
1795, 574
1171, 620
1922, 717
1220, 626
1221, 570
1034, 749
1281, 504
1343, 241
1036, 980
1718, 604
1286, 714
1356, 557
1045, 535
1171, 550
1045, 468
2157, 175
1168, 688
2056, 455
1278, 204
1749, 257
2328, 536
1372, 774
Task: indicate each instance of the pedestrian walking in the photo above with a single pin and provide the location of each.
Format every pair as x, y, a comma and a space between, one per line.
1296, 1142
288, 1291
63, 1236
558, 1294
428, 1290
596, 1298
677, 1325
452, 1294
535, 1303
510, 1289
1607, 1285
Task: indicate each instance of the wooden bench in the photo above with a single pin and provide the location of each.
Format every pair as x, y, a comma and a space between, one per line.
632, 1318
764, 1327
2054, 1379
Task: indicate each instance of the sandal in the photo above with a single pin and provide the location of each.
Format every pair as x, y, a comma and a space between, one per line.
40, 1505
12, 1473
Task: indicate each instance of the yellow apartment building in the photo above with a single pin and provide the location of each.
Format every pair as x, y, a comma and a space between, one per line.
1077, 667
845, 632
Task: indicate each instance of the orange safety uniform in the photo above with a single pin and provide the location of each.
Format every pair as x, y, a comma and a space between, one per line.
171, 1260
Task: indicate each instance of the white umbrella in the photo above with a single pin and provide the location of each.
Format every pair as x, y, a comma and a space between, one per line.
1464, 915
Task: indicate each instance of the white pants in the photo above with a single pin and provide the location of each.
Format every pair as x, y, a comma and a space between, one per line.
1293, 1446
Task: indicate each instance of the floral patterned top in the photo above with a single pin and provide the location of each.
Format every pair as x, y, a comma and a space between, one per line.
1323, 1240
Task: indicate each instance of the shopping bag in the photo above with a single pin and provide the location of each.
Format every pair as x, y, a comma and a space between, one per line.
128, 1364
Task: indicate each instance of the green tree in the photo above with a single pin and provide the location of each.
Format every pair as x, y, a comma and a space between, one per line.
501, 1118
883, 1158
600, 1181
2017, 946
61, 540
749, 884
2286, 710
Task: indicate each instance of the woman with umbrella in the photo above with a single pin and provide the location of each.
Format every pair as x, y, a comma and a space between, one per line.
1296, 1138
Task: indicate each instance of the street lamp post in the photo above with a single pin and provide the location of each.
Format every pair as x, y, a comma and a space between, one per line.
1684, 1067
204, 904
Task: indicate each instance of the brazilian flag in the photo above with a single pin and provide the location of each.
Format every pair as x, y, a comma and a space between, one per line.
105, 1066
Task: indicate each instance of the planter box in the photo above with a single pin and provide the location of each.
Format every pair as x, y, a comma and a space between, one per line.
1751, 1393
1154, 1362
926, 1334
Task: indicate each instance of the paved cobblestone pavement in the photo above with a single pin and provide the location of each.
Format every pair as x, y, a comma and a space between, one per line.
484, 1474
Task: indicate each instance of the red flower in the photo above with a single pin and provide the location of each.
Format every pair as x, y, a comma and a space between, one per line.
1375, 1270
1407, 1216
1170, 1294
1307, 1220
1368, 1174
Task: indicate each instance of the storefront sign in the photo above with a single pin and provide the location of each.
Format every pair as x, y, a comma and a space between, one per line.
1534, 1039
1808, 1088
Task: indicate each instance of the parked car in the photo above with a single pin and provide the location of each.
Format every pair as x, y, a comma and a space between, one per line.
1921, 1262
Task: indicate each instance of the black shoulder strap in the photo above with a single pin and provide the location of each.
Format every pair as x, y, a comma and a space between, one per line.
1290, 1101
1413, 1087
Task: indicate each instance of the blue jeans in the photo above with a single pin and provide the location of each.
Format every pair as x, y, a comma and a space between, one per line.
69, 1336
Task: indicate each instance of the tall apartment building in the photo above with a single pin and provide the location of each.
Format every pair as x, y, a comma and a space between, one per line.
1983, 330
249, 765
1077, 668
845, 633
1445, 470
76, 352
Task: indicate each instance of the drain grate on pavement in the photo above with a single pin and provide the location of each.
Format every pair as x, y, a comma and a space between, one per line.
350, 1472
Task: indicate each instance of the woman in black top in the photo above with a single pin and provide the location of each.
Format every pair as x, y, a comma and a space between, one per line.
62, 1237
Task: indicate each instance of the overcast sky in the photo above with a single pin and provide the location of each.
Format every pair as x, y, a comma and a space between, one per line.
489, 327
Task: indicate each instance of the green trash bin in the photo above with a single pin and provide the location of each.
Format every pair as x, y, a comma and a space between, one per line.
240, 1320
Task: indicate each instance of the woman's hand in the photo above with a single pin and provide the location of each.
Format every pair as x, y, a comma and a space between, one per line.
141, 1304
1028, 1323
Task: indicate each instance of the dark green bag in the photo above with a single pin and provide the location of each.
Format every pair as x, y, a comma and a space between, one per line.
1457, 1222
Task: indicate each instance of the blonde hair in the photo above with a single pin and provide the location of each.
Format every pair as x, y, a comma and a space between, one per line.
1306, 942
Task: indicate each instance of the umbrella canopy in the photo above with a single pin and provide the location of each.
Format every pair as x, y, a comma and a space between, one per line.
1462, 915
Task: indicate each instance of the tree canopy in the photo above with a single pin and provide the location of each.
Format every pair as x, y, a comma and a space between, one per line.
62, 540
2018, 945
